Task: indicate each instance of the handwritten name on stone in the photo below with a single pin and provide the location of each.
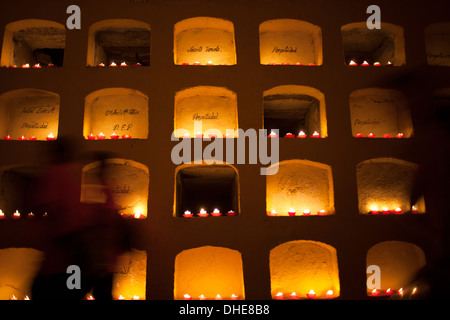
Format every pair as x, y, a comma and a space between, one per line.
286, 49
121, 112
207, 49
359, 122
39, 110
208, 116
34, 125
125, 189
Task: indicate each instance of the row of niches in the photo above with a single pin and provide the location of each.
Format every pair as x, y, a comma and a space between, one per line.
289, 111
299, 188
300, 269
211, 41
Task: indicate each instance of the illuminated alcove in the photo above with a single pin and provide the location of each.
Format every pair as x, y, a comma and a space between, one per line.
119, 41
385, 184
385, 46
379, 112
297, 267
290, 42
18, 268
127, 180
292, 109
116, 112
215, 107
437, 43
129, 282
208, 187
209, 271
33, 42
204, 41
300, 187
29, 114
399, 263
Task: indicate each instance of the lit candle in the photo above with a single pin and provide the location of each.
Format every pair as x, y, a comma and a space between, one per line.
187, 297
186, 135
185, 64
365, 64
203, 213
101, 65
136, 298
311, 64
293, 296
216, 213
375, 293
32, 138
321, 213
22, 138
400, 291
388, 292
398, 210
114, 136
16, 215
26, 65
234, 297
315, 135
91, 137
359, 135
13, 297
386, 135
291, 212
385, 211
301, 134
279, 296
13, 66
26, 298
400, 135
352, 63
137, 64
30, 215
227, 135
311, 294
414, 291
199, 135
8, 137
374, 210
124, 64
187, 214
202, 297
389, 63
209, 63
414, 210
306, 212
212, 135
289, 135
377, 64
272, 64
2, 215
101, 136
298, 64
273, 134
113, 64
196, 63
45, 215
126, 136
273, 213
285, 64
121, 297
330, 294
371, 135
231, 213
50, 65
218, 297
37, 65
138, 215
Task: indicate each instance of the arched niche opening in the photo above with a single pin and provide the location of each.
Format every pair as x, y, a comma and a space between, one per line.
398, 262
206, 272
18, 268
295, 111
17, 189
304, 269
385, 185
383, 47
119, 42
214, 107
380, 113
128, 183
290, 42
116, 113
437, 44
33, 43
29, 114
204, 41
299, 188
130, 281
206, 187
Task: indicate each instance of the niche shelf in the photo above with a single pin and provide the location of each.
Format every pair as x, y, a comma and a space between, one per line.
33, 43
208, 273
304, 269
118, 42
295, 111
290, 42
437, 44
399, 263
128, 183
373, 47
380, 113
384, 187
116, 113
206, 111
206, 187
299, 188
204, 41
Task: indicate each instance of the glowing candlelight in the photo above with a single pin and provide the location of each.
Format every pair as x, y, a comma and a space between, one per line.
216, 213
365, 63
371, 135
389, 63
218, 297
90, 297
138, 215
212, 135
315, 135
8, 137
26, 65
137, 64
203, 213
400, 291
30, 215
291, 212
26, 298
279, 296
414, 291
186, 135
374, 210
50, 65
187, 297
321, 212
136, 298
121, 297
113, 64
285, 64
91, 137
306, 212
234, 297
126, 136
293, 296
16, 215
386, 135
414, 209
388, 292
32, 138
385, 211
13, 297
101, 65
231, 213
22, 138
377, 64
289, 135
199, 135
209, 63
398, 210
187, 214
273, 213
185, 64
196, 63
273, 134
202, 297
227, 135
101, 136
330, 294
311, 64
124, 64
114, 136
13, 66
400, 135
352, 63
37, 65
301, 134
2, 215
298, 64
311, 294
359, 135
375, 293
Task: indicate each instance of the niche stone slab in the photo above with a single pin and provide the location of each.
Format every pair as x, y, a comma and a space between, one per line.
437, 43
130, 280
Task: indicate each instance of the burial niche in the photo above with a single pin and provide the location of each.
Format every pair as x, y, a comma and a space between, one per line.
373, 47
204, 41
385, 185
33, 43
116, 113
399, 263
208, 273
130, 281
206, 190
299, 188
380, 113
290, 42
119, 42
29, 114
205, 111
304, 269
437, 44
295, 111
127, 180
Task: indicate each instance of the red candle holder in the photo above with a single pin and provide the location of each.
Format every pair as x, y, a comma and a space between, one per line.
365, 64
137, 65
398, 211
196, 63
400, 135
50, 137
231, 213
187, 297
306, 212
377, 64
16, 215
124, 64
26, 66
91, 137
385, 211
203, 213
301, 134
188, 214
185, 64
371, 135
114, 136
289, 135
321, 213
329, 294
311, 64
218, 297
216, 213
388, 292
32, 138
414, 210
8, 137
199, 135
352, 63
101, 136
234, 297
315, 135
285, 64
273, 135
291, 212
113, 64
101, 65
202, 297
298, 64
273, 213
386, 135
22, 138
359, 135
37, 66
212, 136
293, 296
126, 136
375, 293
311, 294
375, 211
2, 215
279, 296
30, 215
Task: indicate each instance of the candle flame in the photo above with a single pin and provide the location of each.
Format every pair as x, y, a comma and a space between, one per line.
330, 293
306, 211
311, 291
218, 297
216, 211
136, 298
186, 296
51, 135
233, 296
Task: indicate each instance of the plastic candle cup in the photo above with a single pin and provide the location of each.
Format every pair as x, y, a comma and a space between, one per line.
203, 213
2, 215
113, 64
234, 297
124, 64
196, 63
371, 135
279, 296
126, 136
216, 213
202, 297
311, 294
32, 138
101, 136
400, 135
8, 137
306, 212
37, 66
414, 210
293, 296
218, 297
385, 211
273, 213
273, 134
359, 135
114, 136
291, 212
301, 134
386, 135
91, 137
330, 294
321, 213
365, 64
187, 297
30, 215
101, 65
199, 135
289, 135
377, 64
374, 210
388, 292
26, 66
352, 63
375, 293
50, 137
315, 135
16, 215
187, 214
22, 138
398, 210
231, 213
